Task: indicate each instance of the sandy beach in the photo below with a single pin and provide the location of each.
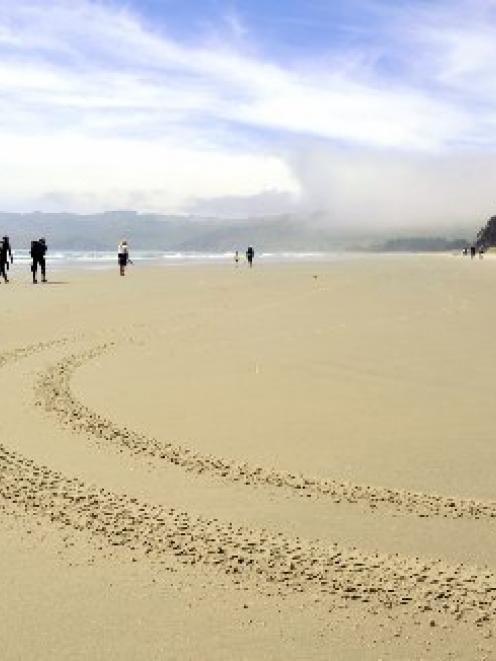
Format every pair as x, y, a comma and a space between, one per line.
289, 462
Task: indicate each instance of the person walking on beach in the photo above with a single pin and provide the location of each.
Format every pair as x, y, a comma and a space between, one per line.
5, 254
123, 256
472, 252
38, 252
236, 258
250, 253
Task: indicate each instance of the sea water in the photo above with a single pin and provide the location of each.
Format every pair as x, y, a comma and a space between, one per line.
99, 259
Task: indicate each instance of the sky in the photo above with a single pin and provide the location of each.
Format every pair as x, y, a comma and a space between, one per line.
369, 112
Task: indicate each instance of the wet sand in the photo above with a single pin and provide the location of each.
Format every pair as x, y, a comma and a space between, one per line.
289, 462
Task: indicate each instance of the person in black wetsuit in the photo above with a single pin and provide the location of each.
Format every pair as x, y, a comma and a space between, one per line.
38, 251
250, 253
5, 254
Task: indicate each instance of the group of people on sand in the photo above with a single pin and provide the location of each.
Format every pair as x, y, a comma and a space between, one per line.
123, 258
39, 249
250, 254
473, 250
38, 252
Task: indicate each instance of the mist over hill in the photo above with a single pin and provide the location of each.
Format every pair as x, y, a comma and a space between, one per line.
103, 231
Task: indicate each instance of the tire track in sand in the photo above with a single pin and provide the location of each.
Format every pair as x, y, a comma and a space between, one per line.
23, 352
53, 392
273, 561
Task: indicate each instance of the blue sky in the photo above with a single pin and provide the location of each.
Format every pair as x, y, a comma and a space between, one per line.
366, 110
280, 29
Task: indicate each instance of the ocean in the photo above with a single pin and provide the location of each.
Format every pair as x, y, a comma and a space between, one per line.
66, 259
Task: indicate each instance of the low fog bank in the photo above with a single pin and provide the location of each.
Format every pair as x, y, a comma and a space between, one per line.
288, 232
381, 192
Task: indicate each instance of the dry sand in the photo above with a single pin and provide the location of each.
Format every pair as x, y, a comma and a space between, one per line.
293, 462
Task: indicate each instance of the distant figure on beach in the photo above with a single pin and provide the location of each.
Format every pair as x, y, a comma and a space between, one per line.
250, 253
465, 251
236, 258
38, 252
5, 254
481, 252
123, 256
472, 252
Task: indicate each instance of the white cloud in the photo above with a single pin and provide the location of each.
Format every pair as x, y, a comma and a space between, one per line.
108, 173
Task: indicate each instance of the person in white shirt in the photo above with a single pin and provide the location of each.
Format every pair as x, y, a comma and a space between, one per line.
123, 256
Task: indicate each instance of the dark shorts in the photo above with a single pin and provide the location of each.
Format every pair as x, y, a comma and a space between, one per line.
122, 260
38, 261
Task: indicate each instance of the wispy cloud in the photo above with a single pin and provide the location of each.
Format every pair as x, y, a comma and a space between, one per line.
123, 66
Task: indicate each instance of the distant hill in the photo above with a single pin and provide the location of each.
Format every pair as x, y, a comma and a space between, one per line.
103, 231
153, 232
422, 244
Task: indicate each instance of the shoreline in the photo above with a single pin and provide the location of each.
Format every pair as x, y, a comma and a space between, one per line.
103, 260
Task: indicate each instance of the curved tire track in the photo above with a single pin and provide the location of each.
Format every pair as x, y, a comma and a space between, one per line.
23, 352
278, 562
54, 393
